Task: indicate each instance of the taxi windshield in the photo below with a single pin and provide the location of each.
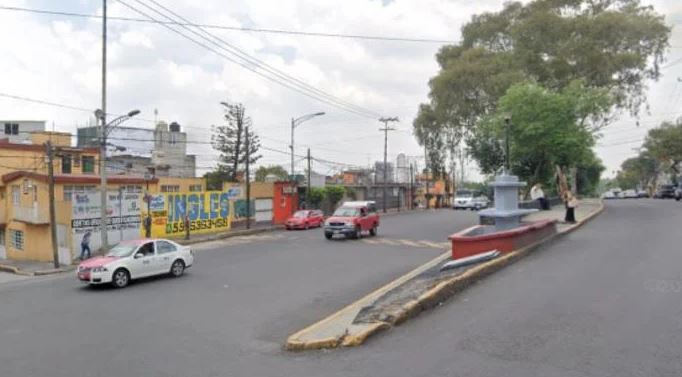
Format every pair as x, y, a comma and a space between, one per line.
122, 250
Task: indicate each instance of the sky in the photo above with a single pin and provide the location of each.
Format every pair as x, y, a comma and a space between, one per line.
58, 59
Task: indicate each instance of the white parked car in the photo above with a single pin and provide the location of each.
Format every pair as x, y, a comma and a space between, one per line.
467, 199
136, 259
608, 195
630, 194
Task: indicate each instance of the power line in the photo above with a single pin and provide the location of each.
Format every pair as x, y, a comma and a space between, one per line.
249, 63
235, 28
235, 50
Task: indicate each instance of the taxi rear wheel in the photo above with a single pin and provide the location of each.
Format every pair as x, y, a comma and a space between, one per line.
177, 269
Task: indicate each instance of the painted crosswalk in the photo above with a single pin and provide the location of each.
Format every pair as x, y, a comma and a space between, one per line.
241, 240
423, 244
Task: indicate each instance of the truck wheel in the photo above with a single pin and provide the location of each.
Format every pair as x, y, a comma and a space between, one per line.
328, 235
357, 234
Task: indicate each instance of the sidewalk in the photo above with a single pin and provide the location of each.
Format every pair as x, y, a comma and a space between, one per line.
30, 268
585, 208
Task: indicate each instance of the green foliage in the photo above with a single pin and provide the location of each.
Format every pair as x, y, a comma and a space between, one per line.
316, 197
608, 46
333, 194
664, 144
215, 179
547, 129
638, 172
263, 171
229, 140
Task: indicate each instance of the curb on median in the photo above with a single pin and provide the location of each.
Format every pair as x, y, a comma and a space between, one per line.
431, 298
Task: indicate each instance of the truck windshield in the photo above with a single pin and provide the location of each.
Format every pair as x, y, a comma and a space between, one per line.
464, 194
346, 212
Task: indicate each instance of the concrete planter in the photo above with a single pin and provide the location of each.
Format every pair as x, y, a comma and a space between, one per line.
482, 238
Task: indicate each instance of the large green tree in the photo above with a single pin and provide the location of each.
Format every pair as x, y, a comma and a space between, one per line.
230, 140
614, 45
638, 172
664, 145
547, 129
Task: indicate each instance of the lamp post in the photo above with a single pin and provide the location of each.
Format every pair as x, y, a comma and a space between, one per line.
295, 123
148, 198
106, 129
507, 128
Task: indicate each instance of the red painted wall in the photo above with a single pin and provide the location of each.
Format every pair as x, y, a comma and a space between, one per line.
284, 201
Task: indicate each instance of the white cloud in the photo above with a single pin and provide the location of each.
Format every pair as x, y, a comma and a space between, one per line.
58, 59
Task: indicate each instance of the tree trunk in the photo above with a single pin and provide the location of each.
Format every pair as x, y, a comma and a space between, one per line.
574, 180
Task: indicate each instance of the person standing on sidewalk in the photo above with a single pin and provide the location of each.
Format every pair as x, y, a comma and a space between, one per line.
538, 195
571, 203
85, 245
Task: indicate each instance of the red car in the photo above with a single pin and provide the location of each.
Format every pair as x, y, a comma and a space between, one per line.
304, 219
352, 219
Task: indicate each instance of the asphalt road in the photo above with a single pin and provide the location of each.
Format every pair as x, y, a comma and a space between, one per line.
229, 315
605, 300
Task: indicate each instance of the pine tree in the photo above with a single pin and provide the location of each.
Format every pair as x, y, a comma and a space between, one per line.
229, 140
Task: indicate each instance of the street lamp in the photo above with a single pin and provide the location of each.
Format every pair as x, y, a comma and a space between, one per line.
507, 129
106, 129
295, 123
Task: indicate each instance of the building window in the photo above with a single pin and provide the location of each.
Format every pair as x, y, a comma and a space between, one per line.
16, 195
133, 189
194, 188
68, 193
173, 138
2, 237
170, 188
70, 190
11, 129
88, 163
66, 164
16, 239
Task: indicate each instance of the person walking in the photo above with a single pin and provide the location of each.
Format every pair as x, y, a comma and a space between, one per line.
85, 245
538, 195
571, 202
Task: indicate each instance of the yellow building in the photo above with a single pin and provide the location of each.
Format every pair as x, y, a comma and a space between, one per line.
24, 194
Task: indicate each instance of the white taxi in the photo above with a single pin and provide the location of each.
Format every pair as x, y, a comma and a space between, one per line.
136, 259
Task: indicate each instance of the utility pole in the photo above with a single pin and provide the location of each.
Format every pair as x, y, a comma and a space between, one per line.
103, 129
426, 170
53, 219
411, 187
386, 128
307, 188
293, 125
248, 181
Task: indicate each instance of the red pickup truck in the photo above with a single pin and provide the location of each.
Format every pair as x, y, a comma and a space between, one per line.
352, 219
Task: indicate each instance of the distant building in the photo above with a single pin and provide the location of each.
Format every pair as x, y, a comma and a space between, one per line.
402, 169
169, 156
379, 172
19, 131
162, 150
357, 177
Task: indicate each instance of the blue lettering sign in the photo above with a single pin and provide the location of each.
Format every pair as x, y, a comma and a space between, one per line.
202, 207
214, 204
193, 204
224, 204
180, 207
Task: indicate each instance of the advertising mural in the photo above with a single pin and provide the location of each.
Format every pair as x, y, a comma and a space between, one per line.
123, 218
206, 212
